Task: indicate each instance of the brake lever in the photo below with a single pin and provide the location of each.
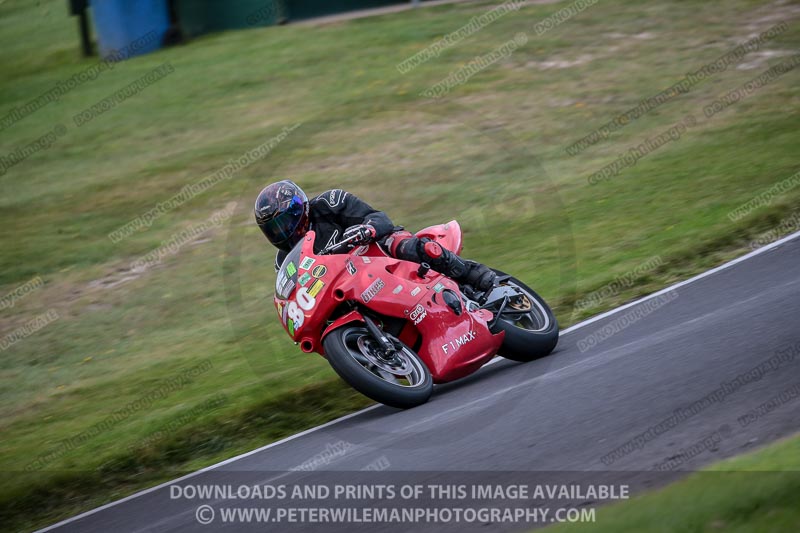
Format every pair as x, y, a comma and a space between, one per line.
336, 246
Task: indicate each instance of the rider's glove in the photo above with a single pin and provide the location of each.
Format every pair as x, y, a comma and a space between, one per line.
361, 234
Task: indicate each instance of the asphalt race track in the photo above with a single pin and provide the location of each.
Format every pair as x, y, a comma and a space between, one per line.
725, 343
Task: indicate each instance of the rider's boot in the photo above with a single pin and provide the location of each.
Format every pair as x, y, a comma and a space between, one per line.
406, 246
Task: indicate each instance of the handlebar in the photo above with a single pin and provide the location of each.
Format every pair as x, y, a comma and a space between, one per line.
335, 246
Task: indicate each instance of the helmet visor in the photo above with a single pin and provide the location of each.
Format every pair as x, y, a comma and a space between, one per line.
282, 227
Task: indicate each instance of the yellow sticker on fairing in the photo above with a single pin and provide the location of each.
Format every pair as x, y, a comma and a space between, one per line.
315, 287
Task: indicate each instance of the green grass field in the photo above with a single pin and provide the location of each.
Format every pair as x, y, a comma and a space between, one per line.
491, 154
753, 493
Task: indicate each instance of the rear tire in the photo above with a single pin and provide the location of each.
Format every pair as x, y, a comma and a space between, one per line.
402, 382
528, 337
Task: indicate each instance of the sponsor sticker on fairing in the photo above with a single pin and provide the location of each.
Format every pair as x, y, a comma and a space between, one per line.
398, 289
319, 271
315, 288
304, 279
458, 342
417, 314
307, 263
351, 268
439, 287
372, 290
415, 291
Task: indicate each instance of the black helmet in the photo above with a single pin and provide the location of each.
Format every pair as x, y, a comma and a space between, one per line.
282, 214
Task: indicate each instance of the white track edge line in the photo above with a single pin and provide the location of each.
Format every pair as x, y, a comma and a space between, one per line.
601, 316
206, 469
683, 283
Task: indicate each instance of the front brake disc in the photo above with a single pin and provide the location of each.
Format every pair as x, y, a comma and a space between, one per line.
397, 365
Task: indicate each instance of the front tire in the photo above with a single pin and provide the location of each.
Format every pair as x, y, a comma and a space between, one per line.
402, 381
529, 335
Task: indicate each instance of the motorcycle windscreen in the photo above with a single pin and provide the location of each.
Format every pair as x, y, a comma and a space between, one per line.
287, 274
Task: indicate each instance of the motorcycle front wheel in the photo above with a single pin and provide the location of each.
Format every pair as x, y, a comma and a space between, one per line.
399, 379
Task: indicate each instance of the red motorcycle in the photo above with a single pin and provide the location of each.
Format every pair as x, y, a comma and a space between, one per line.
392, 328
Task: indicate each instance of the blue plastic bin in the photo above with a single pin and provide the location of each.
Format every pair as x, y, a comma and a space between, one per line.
127, 28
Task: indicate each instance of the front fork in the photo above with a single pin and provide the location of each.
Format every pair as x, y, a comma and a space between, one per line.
379, 336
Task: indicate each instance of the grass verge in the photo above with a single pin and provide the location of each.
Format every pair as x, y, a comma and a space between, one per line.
757, 492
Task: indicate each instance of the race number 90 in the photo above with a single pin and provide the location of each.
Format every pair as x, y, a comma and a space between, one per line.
305, 300
302, 302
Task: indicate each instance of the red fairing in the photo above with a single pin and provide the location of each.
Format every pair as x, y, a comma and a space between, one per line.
448, 235
339, 285
455, 346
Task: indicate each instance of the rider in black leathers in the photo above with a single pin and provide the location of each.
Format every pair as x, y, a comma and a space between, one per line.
284, 214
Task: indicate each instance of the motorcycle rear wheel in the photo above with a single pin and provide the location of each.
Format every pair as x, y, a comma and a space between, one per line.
401, 381
531, 335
